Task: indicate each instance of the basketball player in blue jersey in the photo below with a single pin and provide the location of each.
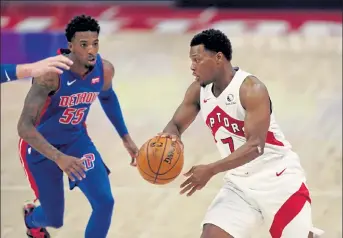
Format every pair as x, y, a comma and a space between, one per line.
54, 137
12, 72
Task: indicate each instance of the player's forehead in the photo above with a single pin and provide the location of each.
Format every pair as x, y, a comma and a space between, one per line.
196, 50
86, 36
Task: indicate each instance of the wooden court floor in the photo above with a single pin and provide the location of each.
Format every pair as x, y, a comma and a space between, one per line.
152, 73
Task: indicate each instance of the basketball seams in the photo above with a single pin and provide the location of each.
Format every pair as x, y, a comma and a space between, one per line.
174, 163
161, 160
147, 156
149, 175
152, 157
140, 169
153, 176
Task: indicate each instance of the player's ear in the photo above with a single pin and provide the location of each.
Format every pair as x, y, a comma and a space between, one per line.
70, 46
219, 57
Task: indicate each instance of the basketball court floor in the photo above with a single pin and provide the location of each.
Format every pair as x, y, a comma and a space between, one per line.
152, 73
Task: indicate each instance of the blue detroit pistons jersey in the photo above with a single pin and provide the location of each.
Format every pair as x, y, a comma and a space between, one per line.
63, 117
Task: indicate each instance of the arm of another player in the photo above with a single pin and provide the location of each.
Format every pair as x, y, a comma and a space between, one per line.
11, 72
33, 105
111, 106
255, 99
185, 114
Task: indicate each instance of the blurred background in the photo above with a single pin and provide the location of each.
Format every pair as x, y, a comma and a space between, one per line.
293, 46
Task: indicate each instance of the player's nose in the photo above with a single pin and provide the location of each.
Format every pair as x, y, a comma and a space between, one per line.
91, 50
193, 67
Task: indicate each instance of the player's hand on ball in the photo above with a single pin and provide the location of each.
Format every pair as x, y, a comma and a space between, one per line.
72, 166
198, 176
173, 137
132, 148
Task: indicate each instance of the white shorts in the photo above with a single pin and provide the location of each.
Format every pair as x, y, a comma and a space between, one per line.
280, 202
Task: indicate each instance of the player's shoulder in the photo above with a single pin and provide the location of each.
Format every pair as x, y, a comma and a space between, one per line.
252, 91
252, 83
194, 88
193, 92
107, 65
108, 72
49, 80
108, 69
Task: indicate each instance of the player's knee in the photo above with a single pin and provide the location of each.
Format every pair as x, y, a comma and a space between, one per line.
108, 202
105, 202
210, 231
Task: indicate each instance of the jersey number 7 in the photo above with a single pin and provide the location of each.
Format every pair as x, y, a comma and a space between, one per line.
229, 141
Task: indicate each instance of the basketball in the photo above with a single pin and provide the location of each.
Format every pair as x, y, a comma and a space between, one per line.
160, 160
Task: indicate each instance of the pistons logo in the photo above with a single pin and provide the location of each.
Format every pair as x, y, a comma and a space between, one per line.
89, 161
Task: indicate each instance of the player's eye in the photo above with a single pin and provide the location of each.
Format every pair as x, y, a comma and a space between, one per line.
96, 44
83, 45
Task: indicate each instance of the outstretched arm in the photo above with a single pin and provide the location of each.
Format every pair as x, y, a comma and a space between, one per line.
11, 72
186, 113
111, 106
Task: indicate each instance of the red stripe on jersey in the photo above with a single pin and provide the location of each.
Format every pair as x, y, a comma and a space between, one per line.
45, 107
85, 126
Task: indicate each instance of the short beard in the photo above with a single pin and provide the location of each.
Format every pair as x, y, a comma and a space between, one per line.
89, 67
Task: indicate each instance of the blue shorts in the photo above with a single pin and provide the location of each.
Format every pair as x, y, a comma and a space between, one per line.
46, 178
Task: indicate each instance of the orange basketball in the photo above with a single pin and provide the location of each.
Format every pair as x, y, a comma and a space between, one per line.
160, 160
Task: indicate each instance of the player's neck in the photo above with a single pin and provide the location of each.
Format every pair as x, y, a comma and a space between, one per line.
77, 67
223, 80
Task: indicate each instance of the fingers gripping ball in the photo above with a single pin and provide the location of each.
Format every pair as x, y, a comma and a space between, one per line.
160, 160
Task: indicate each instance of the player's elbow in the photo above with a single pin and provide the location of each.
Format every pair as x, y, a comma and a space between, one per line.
23, 128
256, 145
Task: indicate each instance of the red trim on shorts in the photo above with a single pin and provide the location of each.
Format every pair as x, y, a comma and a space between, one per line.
289, 210
23, 146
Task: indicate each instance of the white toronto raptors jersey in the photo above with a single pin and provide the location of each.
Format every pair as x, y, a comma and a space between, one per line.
224, 115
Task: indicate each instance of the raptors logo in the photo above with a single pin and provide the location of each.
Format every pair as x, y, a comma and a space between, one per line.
89, 162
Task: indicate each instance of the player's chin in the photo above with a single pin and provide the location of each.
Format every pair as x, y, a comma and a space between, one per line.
91, 62
203, 83
198, 79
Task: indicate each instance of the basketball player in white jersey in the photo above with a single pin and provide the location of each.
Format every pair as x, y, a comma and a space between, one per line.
264, 181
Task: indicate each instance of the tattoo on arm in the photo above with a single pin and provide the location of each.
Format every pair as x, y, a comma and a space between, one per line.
33, 105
